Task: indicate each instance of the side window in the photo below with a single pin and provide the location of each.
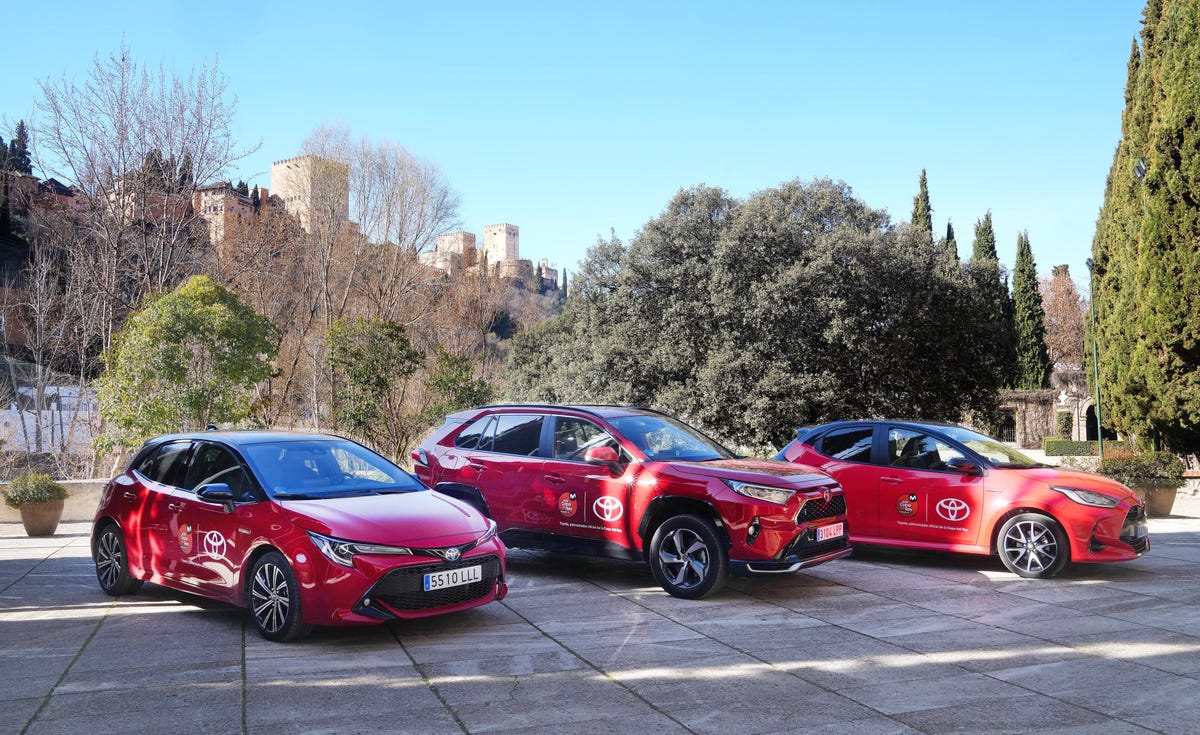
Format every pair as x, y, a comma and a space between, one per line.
517, 434
851, 445
919, 451
469, 437
573, 437
166, 464
213, 464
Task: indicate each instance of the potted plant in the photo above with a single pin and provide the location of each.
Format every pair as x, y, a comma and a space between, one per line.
40, 500
1155, 476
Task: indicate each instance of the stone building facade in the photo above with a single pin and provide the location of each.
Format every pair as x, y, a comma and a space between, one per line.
313, 187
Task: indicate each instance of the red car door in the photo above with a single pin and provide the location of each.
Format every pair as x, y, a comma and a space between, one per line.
506, 466
921, 500
583, 499
212, 535
148, 496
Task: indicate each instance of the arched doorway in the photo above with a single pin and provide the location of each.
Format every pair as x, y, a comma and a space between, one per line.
1090, 423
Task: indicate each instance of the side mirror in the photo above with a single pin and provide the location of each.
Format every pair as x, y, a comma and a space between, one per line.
218, 492
965, 466
601, 455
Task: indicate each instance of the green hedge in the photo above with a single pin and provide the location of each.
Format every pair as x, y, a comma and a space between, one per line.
1066, 448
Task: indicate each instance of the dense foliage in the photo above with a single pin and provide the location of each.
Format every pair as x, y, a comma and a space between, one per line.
1033, 360
189, 358
997, 347
33, 489
1147, 243
797, 305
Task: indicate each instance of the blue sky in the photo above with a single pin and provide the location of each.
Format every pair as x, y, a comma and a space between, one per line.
571, 119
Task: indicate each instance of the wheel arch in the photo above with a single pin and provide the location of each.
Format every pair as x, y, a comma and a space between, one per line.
466, 493
661, 508
243, 585
994, 537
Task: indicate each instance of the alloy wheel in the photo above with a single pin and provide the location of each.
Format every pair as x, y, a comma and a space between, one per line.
270, 600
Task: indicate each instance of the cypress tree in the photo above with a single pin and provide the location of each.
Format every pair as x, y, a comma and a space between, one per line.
1033, 360
997, 350
19, 158
922, 216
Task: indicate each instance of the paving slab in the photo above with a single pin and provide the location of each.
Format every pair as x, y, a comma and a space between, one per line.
883, 643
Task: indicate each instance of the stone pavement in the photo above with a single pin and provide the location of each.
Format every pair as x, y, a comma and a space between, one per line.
880, 643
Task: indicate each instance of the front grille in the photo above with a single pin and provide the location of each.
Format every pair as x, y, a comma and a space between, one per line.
804, 547
404, 588
815, 508
1135, 518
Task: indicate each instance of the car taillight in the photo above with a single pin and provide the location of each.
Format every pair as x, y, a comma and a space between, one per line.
420, 457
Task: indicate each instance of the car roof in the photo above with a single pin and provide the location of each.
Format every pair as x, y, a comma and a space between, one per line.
244, 437
805, 432
598, 410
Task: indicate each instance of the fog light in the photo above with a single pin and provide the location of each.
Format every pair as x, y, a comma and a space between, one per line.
753, 533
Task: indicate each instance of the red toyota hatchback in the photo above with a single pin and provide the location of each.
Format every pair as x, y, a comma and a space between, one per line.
943, 487
302, 529
635, 484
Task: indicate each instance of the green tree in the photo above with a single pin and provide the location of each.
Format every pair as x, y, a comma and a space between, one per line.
453, 387
751, 317
922, 216
186, 359
1033, 359
372, 361
539, 278
19, 159
997, 351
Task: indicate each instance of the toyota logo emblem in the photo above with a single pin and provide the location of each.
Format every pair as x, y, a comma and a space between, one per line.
214, 545
452, 554
608, 508
953, 509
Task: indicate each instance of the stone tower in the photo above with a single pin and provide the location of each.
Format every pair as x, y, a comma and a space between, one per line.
501, 242
313, 188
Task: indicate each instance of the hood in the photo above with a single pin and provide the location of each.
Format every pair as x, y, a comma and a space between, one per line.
765, 471
1081, 480
421, 519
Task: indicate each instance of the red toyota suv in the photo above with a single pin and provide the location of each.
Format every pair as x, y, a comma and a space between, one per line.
635, 484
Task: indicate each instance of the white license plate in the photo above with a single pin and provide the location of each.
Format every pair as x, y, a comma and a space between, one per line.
452, 578
833, 530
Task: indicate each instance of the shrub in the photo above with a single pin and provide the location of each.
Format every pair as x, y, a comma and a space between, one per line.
1063, 422
33, 489
1067, 448
1148, 469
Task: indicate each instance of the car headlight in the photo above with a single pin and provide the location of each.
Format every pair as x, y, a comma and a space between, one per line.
761, 492
1087, 497
342, 552
489, 534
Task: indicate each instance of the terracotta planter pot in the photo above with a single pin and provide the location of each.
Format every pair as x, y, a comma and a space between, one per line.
1159, 500
41, 519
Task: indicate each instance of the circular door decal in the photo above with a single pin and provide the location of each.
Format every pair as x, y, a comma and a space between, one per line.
214, 545
567, 504
906, 505
953, 509
608, 508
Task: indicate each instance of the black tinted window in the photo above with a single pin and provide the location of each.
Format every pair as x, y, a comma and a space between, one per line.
851, 445
166, 464
468, 438
213, 464
573, 437
517, 434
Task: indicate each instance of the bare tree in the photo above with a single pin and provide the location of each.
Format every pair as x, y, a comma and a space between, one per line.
1064, 309
134, 141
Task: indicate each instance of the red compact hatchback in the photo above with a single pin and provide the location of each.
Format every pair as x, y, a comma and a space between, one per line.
302, 529
635, 484
943, 487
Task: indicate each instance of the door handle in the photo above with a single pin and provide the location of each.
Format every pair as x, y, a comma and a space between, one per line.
175, 507
130, 496
556, 479
891, 480
475, 465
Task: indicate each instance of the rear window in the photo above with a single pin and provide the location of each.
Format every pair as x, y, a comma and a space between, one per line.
469, 437
166, 464
516, 434
851, 445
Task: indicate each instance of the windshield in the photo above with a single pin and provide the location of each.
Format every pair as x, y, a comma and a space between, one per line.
661, 438
325, 468
1000, 455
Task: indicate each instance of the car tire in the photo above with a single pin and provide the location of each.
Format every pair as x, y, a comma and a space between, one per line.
1033, 545
274, 599
112, 563
687, 557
